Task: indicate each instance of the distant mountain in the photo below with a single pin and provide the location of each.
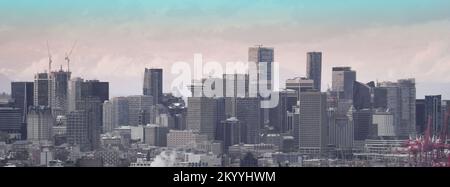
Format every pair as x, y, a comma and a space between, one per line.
5, 84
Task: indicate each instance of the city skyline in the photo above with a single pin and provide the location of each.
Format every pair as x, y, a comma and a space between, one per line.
412, 43
186, 83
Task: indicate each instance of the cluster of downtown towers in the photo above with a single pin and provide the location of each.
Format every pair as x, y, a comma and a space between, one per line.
348, 112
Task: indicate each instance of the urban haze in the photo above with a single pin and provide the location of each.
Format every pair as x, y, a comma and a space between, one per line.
355, 84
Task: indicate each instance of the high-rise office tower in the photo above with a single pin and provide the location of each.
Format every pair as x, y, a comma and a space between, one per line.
249, 115
261, 55
421, 119
85, 101
401, 100
74, 93
155, 135
341, 130
278, 114
433, 110
229, 132
79, 89
139, 109
293, 118
78, 127
39, 124
445, 111
300, 84
108, 117
362, 122
120, 111
384, 123
59, 82
379, 97
178, 112
93, 107
81, 92
22, 93
343, 79
153, 80
311, 132
42, 89
202, 115
314, 68
95, 88
115, 113
361, 96
11, 121
84, 125
408, 100
393, 101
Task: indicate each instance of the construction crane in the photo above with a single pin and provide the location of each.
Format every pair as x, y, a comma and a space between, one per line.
49, 58
68, 55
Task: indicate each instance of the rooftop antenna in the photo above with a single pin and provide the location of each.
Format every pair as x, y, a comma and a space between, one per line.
68, 55
49, 58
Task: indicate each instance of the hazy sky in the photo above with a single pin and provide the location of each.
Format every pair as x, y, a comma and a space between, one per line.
381, 39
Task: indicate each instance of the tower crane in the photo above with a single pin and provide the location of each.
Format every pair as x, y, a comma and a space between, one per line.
68, 55
49, 58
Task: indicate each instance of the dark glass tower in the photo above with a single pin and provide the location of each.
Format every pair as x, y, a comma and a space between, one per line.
314, 68
153, 80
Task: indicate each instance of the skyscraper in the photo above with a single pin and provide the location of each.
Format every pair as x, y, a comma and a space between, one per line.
384, 123
85, 103
261, 55
421, 119
115, 113
139, 109
39, 124
42, 89
108, 117
408, 100
340, 128
300, 84
362, 122
343, 79
379, 97
250, 119
78, 127
153, 80
433, 110
202, 115
278, 114
311, 132
155, 135
401, 100
229, 132
79, 89
393, 102
361, 96
314, 68
11, 121
59, 82
22, 93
